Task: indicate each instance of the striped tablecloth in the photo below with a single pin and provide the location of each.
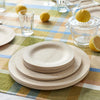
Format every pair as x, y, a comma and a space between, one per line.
54, 30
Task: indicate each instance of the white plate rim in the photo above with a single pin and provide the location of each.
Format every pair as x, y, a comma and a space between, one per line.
10, 38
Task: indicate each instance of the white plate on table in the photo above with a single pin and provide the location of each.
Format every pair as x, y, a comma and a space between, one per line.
52, 85
18, 59
6, 35
48, 56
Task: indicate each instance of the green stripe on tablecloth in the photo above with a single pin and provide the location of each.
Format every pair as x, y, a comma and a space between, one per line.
89, 94
6, 82
59, 94
97, 1
30, 41
18, 40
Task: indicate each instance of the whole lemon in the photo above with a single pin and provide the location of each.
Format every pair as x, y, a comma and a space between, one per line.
21, 8
83, 15
44, 16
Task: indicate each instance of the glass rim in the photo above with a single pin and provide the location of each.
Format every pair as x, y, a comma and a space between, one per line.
25, 12
93, 18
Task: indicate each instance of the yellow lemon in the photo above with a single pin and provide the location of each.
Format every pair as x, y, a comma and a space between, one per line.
83, 15
94, 43
44, 16
21, 8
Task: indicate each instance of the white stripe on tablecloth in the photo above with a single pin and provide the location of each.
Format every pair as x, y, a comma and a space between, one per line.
90, 86
4, 71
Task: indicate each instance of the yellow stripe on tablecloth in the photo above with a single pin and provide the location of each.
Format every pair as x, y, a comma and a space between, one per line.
95, 61
23, 91
40, 33
97, 1
43, 95
92, 78
62, 28
74, 93
58, 35
71, 40
4, 63
70, 37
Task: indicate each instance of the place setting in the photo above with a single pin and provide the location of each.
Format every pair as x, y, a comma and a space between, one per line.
56, 54
52, 65
49, 65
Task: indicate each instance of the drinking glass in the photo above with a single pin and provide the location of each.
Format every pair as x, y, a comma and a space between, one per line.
82, 32
73, 5
26, 19
61, 6
2, 5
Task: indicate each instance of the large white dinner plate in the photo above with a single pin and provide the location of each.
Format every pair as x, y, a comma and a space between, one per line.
94, 11
48, 56
18, 59
6, 35
52, 85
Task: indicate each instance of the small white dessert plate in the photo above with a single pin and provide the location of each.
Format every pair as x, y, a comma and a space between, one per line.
6, 35
52, 85
18, 59
48, 56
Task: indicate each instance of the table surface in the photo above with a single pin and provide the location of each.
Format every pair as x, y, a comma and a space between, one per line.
54, 30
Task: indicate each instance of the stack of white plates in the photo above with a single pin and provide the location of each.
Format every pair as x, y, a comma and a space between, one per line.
49, 65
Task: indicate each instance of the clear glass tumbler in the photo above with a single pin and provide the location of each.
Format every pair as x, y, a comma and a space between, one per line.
73, 5
26, 22
82, 32
2, 6
61, 6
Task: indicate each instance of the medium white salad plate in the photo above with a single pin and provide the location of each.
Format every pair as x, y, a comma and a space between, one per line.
48, 56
